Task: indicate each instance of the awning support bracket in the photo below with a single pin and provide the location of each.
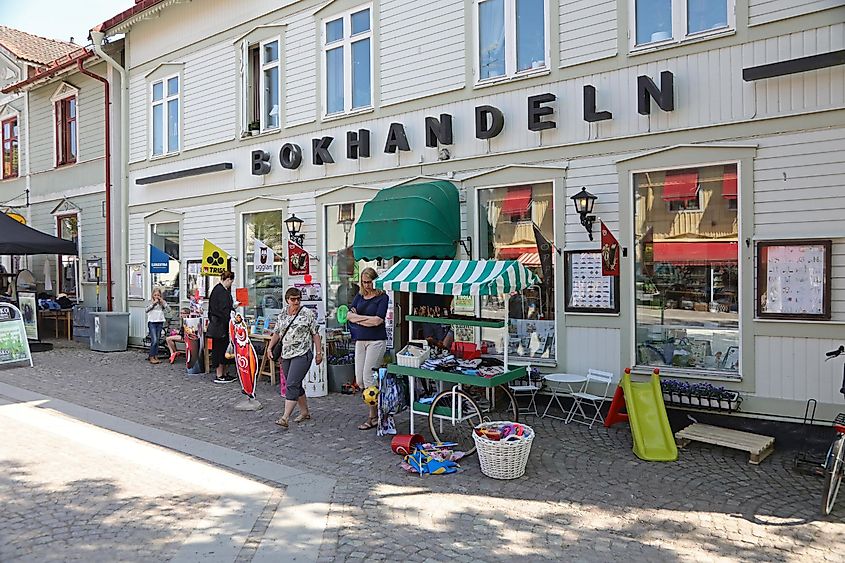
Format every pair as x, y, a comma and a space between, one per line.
466, 244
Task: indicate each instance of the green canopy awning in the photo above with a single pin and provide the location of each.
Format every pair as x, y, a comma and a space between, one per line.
457, 277
410, 221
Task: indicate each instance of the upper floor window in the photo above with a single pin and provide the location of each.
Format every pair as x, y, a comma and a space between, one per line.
9, 140
659, 21
165, 116
66, 131
263, 86
512, 37
347, 60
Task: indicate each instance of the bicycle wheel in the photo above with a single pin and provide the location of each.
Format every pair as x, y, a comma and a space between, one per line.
452, 417
498, 403
833, 474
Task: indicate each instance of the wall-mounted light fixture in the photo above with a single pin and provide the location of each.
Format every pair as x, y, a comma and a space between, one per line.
346, 217
584, 202
294, 226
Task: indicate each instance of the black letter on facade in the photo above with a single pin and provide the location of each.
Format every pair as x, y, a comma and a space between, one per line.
482, 130
290, 156
590, 113
396, 139
358, 144
536, 111
320, 147
438, 130
260, 163
664, 96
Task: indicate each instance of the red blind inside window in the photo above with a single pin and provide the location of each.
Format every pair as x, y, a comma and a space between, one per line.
680, 185
517, 200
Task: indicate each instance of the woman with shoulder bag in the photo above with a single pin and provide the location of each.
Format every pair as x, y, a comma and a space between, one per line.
297, 330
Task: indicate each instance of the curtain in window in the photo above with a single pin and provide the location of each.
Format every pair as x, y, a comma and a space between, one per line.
491, 38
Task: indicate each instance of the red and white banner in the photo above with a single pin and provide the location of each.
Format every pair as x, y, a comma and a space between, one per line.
298, 260
609, 252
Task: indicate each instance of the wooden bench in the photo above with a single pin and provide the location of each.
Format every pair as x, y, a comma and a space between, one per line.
759, 446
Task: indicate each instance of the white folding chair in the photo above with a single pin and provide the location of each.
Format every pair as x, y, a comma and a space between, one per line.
598, 381
525, 388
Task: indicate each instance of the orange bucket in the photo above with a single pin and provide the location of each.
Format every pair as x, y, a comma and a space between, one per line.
403, 444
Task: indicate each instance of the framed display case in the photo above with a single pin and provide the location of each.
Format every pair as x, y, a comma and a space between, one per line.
793, 279
587, 290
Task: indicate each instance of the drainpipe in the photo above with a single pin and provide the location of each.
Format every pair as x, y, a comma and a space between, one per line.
107, 108
97, 39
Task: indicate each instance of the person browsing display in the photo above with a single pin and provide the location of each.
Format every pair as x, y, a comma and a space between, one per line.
155, 322
298, 331
366, 317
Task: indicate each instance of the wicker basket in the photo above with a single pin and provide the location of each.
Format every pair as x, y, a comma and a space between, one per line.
503, 459
418, 356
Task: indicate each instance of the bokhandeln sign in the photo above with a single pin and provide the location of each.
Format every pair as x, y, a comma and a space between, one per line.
14, 346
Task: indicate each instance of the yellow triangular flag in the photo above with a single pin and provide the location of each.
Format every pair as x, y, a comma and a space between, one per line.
215, 260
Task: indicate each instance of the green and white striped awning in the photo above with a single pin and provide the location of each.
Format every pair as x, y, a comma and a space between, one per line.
457, 277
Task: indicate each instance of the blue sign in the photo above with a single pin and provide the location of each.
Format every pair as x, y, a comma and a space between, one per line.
159, 261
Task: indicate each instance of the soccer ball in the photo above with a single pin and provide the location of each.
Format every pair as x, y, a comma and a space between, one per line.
370, 395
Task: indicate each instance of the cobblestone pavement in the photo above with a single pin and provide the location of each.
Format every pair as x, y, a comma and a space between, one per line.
584, 495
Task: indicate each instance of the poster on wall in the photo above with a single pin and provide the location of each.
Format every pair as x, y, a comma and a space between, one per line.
14, 346
29, 313
793, 279
298, 260
587, 290
263, 258
136, 281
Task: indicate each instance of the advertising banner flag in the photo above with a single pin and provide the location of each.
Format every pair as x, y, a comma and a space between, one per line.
544, 249
159, 261
215, 260
264, 258
298, 260
609, 252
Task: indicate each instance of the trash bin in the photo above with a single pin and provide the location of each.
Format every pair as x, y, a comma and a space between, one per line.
109, 331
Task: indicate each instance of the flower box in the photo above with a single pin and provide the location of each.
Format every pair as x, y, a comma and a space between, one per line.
699, 395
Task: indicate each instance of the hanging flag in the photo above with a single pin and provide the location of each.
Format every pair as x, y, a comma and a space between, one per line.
264, 258
215, 260
159, 261
609, 252
544, 249
298, 260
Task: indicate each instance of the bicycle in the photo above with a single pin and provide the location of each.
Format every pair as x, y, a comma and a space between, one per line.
834, 464
455, 412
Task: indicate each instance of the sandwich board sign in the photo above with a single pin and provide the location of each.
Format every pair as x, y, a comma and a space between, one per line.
14, 346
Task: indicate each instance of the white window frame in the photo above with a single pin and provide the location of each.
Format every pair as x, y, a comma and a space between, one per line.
263, 68
63, 92
346, 42
165, 116
680, 33
75, 259
510, 45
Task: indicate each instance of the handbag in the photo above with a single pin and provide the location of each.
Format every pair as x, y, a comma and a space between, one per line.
276, 352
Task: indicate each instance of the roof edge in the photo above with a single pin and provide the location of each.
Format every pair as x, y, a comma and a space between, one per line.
49, 71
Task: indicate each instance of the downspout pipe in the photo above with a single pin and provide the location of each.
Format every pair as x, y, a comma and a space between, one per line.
107, 110
97, 40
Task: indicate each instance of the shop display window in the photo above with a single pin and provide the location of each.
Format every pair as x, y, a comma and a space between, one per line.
68, 266
165, 237
687, 270
266, 289
517, 223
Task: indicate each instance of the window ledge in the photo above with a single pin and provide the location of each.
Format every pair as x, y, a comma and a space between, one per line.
66, 164
254, 134
338, 116
545, 71
704, 36
164, 156
686, 374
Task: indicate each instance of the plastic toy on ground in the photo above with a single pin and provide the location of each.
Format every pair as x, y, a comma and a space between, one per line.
646, 413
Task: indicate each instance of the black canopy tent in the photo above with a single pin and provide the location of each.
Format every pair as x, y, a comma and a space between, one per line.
17, 238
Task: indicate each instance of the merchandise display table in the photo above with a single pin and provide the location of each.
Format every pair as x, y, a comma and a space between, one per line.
266, 366
59, 317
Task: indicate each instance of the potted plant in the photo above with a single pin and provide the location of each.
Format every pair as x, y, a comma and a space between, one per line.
341, 363
252, 128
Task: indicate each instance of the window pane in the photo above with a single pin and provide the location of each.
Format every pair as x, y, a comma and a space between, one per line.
706, 14
491, 38
158, 91
361, 74
266, 289
334, 80
506, 232
158, 129
173, 86
271, 97
271, 52
334, 30
360, 22
71, 107
172, 125
654, 20
530, 34
72, 155
165, 237
687, 270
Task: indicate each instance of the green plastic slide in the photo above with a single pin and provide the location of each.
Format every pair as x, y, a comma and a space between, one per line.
653, 439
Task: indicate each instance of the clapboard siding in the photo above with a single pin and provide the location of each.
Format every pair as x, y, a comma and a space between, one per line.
414, 40
138, 119
600, 177
300, 72
596, 348
210, 82
798, 184
795, 369
91, 114
212, 222
765, 11
588, 31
